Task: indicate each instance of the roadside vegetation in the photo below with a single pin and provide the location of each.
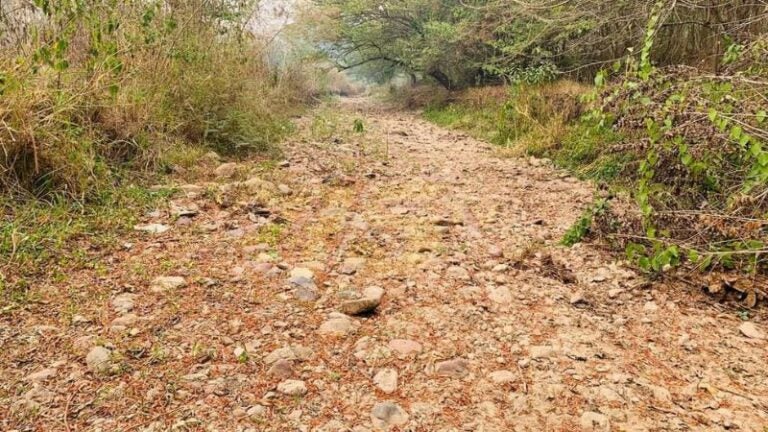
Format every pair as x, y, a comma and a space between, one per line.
99, 100
663, 103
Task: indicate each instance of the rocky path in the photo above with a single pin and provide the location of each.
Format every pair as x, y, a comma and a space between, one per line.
406, 278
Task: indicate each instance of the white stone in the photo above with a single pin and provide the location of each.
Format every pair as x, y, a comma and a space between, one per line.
500, 295
98, 359
751, 331
292, 388
337, 325
502, 377
386, 380
152, 228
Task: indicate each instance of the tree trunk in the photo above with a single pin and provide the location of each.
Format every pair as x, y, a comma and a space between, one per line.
441, 78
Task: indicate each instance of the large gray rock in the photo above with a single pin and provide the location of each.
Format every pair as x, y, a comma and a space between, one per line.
388, 415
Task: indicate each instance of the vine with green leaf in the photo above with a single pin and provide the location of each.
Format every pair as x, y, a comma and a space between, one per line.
701, 179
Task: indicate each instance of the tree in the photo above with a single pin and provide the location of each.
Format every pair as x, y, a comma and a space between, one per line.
425, 37
465, 42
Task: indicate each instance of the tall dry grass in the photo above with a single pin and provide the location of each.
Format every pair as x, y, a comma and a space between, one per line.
93, 92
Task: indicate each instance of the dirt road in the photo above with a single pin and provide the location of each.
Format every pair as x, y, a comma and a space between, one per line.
223, 314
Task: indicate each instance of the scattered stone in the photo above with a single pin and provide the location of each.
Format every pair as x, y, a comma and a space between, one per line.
226, 170
578, 299
256, 412
197, 376
386, 380
359, 306
42, 375
650, 307
455, 368
236, 233
399, 211
337, 325
405, 347
285, 189
281, 369
388, 415
256, 184
500, 268
191, 190
240, 353
292, 388
446, 222
212, 156
302, 277
351, 266
368, 303
592, 421
284, 164
152, 228
502, 377
751, 331
495, 252
500, 294
80, 319
124, 303
184, 209
458, 273
542, 352
125, 320
305, 294
98, 359
614, 293
296, 352
184, 221
167, 283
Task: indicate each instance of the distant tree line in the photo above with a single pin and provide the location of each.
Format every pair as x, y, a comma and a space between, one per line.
461, 43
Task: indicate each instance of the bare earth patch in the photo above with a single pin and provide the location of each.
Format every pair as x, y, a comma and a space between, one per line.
229, 319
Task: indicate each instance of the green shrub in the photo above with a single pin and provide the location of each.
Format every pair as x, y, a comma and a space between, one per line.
581, 228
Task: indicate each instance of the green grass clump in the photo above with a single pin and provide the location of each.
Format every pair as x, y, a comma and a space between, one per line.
583, 152
35, 232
